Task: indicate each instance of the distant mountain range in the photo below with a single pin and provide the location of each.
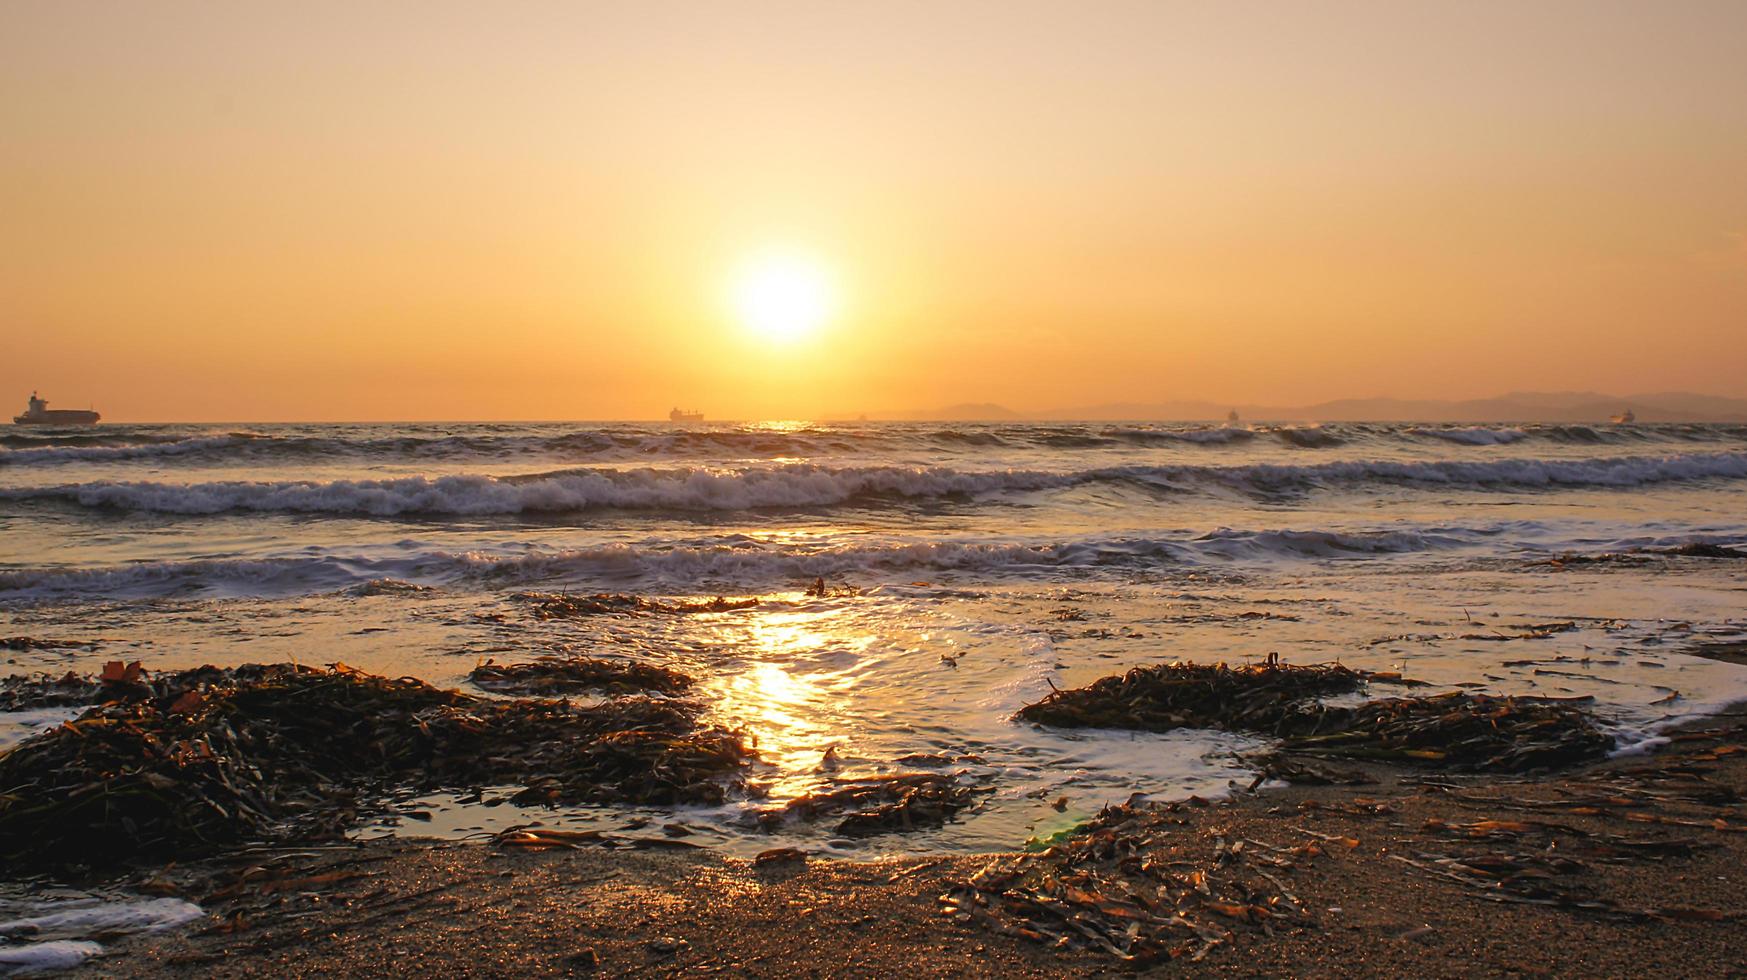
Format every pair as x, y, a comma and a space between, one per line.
1517, 406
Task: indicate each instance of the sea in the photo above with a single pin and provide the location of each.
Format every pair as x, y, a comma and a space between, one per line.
969, 569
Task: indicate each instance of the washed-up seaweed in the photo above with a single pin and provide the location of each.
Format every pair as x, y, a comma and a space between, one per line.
1275, 764
820, 589
1698, 549
547, 839
386, 587
27, 643
558, 605
1146, 882
1546, 859
1267, 697
21, 692
1541, 863
891, 803
187, 763
1645, 556
1726, 651
1458, 731
559, 676
1135, 887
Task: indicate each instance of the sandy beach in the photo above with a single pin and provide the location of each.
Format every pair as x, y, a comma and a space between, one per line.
1630, 867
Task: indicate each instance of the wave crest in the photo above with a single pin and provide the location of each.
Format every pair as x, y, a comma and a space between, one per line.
738, 561
805, 486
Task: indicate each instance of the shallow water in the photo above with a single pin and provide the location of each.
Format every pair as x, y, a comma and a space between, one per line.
985, 564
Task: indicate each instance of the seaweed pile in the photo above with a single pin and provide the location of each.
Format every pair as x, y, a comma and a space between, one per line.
1268, 697
1456, 731
28, 643
1135, 887
188, 763
891, 803
558, 605
1147, 882
1461, 731
1645, 556
560, 676
21, 692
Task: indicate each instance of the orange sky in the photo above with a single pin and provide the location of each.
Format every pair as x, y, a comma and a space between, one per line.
308, 211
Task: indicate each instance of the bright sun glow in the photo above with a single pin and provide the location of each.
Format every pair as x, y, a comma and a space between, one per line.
783, 296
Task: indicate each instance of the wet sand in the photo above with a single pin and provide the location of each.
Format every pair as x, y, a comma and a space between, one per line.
407, 907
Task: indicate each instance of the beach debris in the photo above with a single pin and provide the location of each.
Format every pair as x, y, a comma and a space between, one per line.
929, 759
21, 692
820, 589
1460, 730
1525, 631
1135, 887
386, 587
283, 752
1145, 882
1267, 697
536, 838
1726, 651
1645, 556
558, 605
24, 644
117, 672
779, 855
1697, 550
879, 804
559, 676
1300, 771
1538, 878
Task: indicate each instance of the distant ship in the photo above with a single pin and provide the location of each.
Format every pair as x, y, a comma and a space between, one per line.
678, 415
1625, 418
39, 414
1231, 416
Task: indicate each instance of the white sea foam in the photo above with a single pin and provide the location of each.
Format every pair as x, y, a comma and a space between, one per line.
16, 726
143, 915
207, 446
45, 957
59, 930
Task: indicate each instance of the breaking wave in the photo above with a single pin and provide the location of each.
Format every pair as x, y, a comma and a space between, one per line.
31, 440
1204, 437
628, 443
1473, 436
1308, 436
805, 486
157, 448
739, 561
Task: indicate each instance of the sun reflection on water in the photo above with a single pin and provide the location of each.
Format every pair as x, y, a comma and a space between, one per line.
789, 697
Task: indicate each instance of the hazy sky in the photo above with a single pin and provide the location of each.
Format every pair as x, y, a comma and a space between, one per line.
494, 210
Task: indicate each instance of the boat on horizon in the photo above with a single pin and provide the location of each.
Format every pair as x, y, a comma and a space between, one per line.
1625, 418
1231, 416
39, 413
678, 415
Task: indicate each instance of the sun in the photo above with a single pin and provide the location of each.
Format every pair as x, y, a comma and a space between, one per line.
783, 296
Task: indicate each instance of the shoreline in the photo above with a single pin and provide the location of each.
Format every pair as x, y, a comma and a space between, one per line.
1657, 881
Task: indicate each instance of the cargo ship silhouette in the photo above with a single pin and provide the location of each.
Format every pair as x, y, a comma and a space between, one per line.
39, 413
